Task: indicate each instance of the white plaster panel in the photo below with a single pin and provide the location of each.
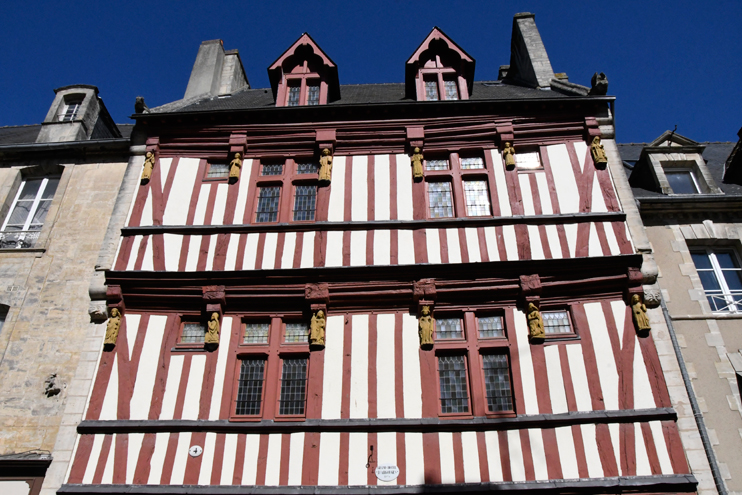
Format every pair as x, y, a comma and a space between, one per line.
296, 458
92, 464
333, 370
579, 377
203, 201
593, 244
597, 204
413, 403
534, 236
133, 254
433, 243
570, 229
501, 184
494, 463
406, 247
172, 383
336, 208
556, 382
109, 407
273, 460
564, 179
207, 461
193, 389
382, 194
525, 192
567, 454
511, 243
387, 452
289, 247
210, 253
148, 260
357, 458
241, 206
250, 466
359, 367
552, 234
132, 454
448, 473
543, 194
607, 371
404, 188
454, 247
490, 237
231, 261
132, 328
414, 459
470, 451
251, 252
194, 250
643, 397
220, 204
538, 453
528, 377
517, 468
642, 459
382, 247
228, 460
472, 245
221, 368
359, 190
329, 457
157, 461
334, 251
176, 210
358, 248
385, 367
141, 397
592, 455
181, 457
307, 250
173, 244
269, 250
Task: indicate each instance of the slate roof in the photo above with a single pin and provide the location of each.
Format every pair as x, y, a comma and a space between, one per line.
27, 134
352, 94
715, 154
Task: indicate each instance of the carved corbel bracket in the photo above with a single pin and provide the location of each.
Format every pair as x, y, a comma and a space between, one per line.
214, 299
415, 137
530, 288
424, 293
415, 141
115, 298
326, 138
317, 294
592, 129
633, 285
115, 304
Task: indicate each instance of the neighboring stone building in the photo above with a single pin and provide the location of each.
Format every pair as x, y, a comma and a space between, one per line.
59, 181
689, 196
428, 286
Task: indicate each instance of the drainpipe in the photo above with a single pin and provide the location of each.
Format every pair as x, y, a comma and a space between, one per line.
718, 480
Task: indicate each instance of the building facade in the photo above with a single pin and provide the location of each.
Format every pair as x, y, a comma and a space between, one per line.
59, 182
425, 286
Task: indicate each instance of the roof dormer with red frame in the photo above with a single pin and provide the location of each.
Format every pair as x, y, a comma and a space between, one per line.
304, 75
439, 70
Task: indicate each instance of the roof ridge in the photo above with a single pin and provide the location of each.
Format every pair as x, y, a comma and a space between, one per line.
22, 125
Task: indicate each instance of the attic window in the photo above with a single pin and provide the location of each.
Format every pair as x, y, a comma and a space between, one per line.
682, 181
70, 109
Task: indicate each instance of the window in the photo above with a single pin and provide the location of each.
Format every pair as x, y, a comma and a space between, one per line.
218, 171
458, 186
272, 169
307, 168
473, 365
294, 95
556, 322
682, 181
431, 90
303, 92
313, 94
268, 198
530, 160
305, 200
719, 270
296, 176
271, 372
27, 213
440, 84
193, 333
70, 109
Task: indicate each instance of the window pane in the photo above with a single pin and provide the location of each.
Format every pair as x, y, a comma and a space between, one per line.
527, 161
454, 390
41, 210
731, 277
497, 382
70, 111
218, 170
30, 189
256, 333
19, 215
304, 202
473, 162
268, 204
272, 169
293, 386
193, 333
702, 261
294, 92
307, 168
556, 322
726, 260
490, 326
431, 90
681, 182
436, 164
440, 199
709, 281
448, 328
50, 189
477, 198
312, 95
296, 332
452, 92
250, 388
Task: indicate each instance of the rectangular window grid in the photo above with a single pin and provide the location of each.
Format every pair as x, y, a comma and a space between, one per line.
250, 388
721, 277
556, 322
256, 333
477, 197
490, 327
305, 202
497, 382
293, 386
528, 161
307, 168
193, 333
448, 328
431, 90
272, 169
294, 93
268, 204
454, 389
31, 205
452, 92
70, 111
218, 171
436, 164
296, 332
472, 163
312, 95
440, 199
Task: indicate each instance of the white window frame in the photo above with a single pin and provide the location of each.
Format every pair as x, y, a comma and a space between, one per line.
726, 293
73, 104
34, 206
683, 170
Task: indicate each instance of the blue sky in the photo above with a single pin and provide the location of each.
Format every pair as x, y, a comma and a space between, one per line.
667, 63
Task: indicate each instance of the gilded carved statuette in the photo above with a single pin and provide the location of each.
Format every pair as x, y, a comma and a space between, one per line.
508, 154
417, 164
599, 157
639, 309
325, 167
112, 328
426, 328
317, 329
535, 322
149, 164
212, 334
234, 168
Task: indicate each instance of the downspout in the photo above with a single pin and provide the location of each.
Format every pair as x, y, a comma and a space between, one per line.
710, 455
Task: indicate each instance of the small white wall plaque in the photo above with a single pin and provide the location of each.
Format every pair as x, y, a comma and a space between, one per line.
195, 451
387, 472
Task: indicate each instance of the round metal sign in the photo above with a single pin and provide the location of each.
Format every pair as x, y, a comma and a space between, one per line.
387, 472
195, 451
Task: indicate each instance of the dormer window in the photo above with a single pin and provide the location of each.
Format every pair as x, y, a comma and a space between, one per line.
304, 76
70, 109
682, 181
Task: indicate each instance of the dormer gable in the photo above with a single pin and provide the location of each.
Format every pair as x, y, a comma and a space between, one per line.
439, 70
672, 138
304, 75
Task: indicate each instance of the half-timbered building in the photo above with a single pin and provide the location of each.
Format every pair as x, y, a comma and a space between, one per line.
423, 286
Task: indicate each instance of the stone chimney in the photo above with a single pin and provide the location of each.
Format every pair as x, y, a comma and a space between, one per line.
529, 62
216, 71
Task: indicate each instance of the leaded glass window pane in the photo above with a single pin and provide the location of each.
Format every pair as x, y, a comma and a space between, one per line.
440, 199
490, 327
293, 386
250, 388
193, 333
477, 198
497, 382
313, 95
268, 204
472, 163
296, 332
436, 164
528, 161
305, 202
256, 333
272, 169
452, 91
454, 389
448, 328
556, 322
307, 168
218, 171
431, 90
294, 93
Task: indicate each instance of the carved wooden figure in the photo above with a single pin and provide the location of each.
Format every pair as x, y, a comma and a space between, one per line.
426, 328
149, 165
234, 168
535, 322
599, 157
508, 154
112, 329
639, 309
212, 334
417, 164
317, 329
325, 167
